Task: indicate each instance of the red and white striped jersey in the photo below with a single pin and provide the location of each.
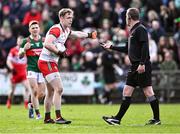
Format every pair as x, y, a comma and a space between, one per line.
61, 37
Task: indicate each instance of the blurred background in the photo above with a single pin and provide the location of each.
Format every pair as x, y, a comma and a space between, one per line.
87, 69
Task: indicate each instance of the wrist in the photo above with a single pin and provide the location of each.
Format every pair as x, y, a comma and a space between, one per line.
22, 51
92, 35
58, 52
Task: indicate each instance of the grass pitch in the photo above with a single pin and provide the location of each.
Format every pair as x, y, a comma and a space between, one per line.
88, 119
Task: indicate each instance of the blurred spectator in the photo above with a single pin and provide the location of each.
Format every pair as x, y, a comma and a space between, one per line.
54, 8
167, 65
162, 48
151, 16
64, 65
3, 56
157, 31
164, 17
106, 10
25, 7
7, 16
172, 46
84, 8
9, 40
75, 63
121, 15
153, 5
153, 52
173, 14
74, 47
93, 16
47, 22
15, 6
33, 14
88, 63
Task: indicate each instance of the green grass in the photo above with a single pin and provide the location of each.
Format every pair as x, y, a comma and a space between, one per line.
88, 119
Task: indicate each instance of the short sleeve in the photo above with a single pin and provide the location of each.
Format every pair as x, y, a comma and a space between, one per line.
55, 31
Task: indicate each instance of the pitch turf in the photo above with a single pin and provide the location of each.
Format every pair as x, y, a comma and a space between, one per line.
88, 119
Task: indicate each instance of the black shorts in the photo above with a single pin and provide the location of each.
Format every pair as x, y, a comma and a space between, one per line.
142, 80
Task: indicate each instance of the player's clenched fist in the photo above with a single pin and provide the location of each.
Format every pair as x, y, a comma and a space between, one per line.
27, 46
92, 35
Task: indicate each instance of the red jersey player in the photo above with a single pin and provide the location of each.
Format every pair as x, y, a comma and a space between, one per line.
18, 73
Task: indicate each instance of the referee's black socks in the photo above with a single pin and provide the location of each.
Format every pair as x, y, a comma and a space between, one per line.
126, 101
154, 106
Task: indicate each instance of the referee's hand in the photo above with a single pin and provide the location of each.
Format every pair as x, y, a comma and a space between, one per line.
141, 69
106, 45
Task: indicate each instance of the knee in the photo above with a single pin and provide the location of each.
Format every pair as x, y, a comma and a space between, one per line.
41, 95
34, 93
59, 91
126, 93
148, 92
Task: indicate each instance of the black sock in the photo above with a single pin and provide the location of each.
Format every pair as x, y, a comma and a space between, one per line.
37, 111
47, 116
29, 100
155, 108
58, 114
124, 106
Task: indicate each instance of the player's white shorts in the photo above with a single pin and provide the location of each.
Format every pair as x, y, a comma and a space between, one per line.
38, 76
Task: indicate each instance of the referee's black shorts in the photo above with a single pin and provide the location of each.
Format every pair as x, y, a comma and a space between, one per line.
142, 80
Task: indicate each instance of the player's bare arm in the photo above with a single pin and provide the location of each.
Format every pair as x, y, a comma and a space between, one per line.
9, 64
80, 34
48, 44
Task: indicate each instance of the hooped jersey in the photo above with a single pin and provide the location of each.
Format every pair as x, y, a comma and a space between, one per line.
61, 37
18, 64
33, 53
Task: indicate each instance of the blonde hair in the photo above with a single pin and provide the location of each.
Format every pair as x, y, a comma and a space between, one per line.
64, 11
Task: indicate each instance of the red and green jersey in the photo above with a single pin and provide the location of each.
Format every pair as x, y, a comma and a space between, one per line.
33, 53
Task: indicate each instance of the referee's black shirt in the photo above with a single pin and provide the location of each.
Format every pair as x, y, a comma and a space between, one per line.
138, 47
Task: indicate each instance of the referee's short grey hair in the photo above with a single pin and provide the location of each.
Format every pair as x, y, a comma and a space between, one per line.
64, 11
133, 13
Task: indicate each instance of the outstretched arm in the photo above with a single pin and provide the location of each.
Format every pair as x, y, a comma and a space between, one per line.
80, 34
109, 45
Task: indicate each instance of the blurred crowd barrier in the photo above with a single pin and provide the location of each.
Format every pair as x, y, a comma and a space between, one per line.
82, 85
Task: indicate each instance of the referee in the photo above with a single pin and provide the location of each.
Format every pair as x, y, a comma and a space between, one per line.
140, 71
